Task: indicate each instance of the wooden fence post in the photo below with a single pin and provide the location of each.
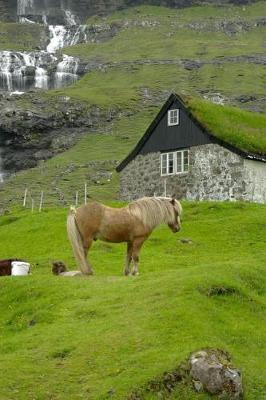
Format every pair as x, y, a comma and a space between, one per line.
41, 202
25, 197
85, 194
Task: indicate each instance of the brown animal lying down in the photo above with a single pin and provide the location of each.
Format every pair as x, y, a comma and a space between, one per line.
6, 266
59, 268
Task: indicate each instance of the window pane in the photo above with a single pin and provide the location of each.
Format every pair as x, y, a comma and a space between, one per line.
170, 163
179, 161
163, 164
186, 160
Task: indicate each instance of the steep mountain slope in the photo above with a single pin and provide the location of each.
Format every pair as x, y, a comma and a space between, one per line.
216, 53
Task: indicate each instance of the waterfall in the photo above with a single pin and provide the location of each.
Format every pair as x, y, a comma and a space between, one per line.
70, 18
62, 36
12, 68
41, 78
24, 20
57, 38
23, 71
66, 72
24, 7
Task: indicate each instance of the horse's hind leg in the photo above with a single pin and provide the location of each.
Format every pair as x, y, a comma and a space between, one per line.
128, 258
137, 244
87, 244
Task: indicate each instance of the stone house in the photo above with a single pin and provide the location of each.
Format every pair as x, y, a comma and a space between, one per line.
179, 155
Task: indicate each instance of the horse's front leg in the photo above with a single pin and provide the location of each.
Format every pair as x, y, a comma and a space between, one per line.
137, 244
128, 258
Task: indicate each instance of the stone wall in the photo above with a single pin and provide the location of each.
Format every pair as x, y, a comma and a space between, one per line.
255, 174
215, 174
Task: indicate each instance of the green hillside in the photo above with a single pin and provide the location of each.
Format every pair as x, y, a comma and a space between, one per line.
105, 336
215, 53
22, 37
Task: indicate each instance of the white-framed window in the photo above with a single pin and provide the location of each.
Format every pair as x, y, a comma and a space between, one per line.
176, 162
173, 117
167, 163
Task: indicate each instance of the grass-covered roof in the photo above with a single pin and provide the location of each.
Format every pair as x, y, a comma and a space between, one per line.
244, 130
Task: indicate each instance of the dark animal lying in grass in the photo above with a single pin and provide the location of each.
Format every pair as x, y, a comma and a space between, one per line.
6, 266
59, 268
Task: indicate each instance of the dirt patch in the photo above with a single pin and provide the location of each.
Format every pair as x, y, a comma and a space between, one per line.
219, 290
61, 354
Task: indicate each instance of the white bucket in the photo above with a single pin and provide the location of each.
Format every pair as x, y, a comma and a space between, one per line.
20, 268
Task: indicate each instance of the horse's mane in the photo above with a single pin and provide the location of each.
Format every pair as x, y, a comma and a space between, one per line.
153, 211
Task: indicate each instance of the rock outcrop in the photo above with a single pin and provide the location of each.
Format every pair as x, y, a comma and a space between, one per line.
29, 135
208, 370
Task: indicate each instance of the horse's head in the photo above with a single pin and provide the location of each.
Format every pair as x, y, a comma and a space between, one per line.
175, 224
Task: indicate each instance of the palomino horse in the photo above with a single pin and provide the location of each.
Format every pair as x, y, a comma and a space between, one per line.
132, 224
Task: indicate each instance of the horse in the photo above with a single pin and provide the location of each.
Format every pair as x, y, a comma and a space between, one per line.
132, 224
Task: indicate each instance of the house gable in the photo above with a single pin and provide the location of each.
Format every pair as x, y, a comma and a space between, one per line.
185, 134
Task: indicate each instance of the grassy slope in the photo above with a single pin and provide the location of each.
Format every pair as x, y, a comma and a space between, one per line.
103, 337
124, 86
20, 37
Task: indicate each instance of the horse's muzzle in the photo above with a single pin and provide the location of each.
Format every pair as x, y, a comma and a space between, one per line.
175, 229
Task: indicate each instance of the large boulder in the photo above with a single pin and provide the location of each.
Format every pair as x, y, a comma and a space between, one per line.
211, 370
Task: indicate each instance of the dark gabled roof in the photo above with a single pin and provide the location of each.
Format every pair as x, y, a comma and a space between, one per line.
174, 97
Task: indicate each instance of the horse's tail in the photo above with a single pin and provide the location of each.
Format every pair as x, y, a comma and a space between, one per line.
76, 242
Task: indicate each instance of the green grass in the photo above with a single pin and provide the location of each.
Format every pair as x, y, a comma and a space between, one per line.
163, 33
21, 37
245, 130
186, 15
105, 336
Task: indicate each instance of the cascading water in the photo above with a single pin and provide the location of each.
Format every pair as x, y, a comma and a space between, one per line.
57, 38
22, 71
66, 72
25, 7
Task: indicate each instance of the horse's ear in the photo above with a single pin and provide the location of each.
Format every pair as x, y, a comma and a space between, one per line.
173, 199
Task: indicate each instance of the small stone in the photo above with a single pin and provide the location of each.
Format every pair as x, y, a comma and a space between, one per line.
198, 386
186, 241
